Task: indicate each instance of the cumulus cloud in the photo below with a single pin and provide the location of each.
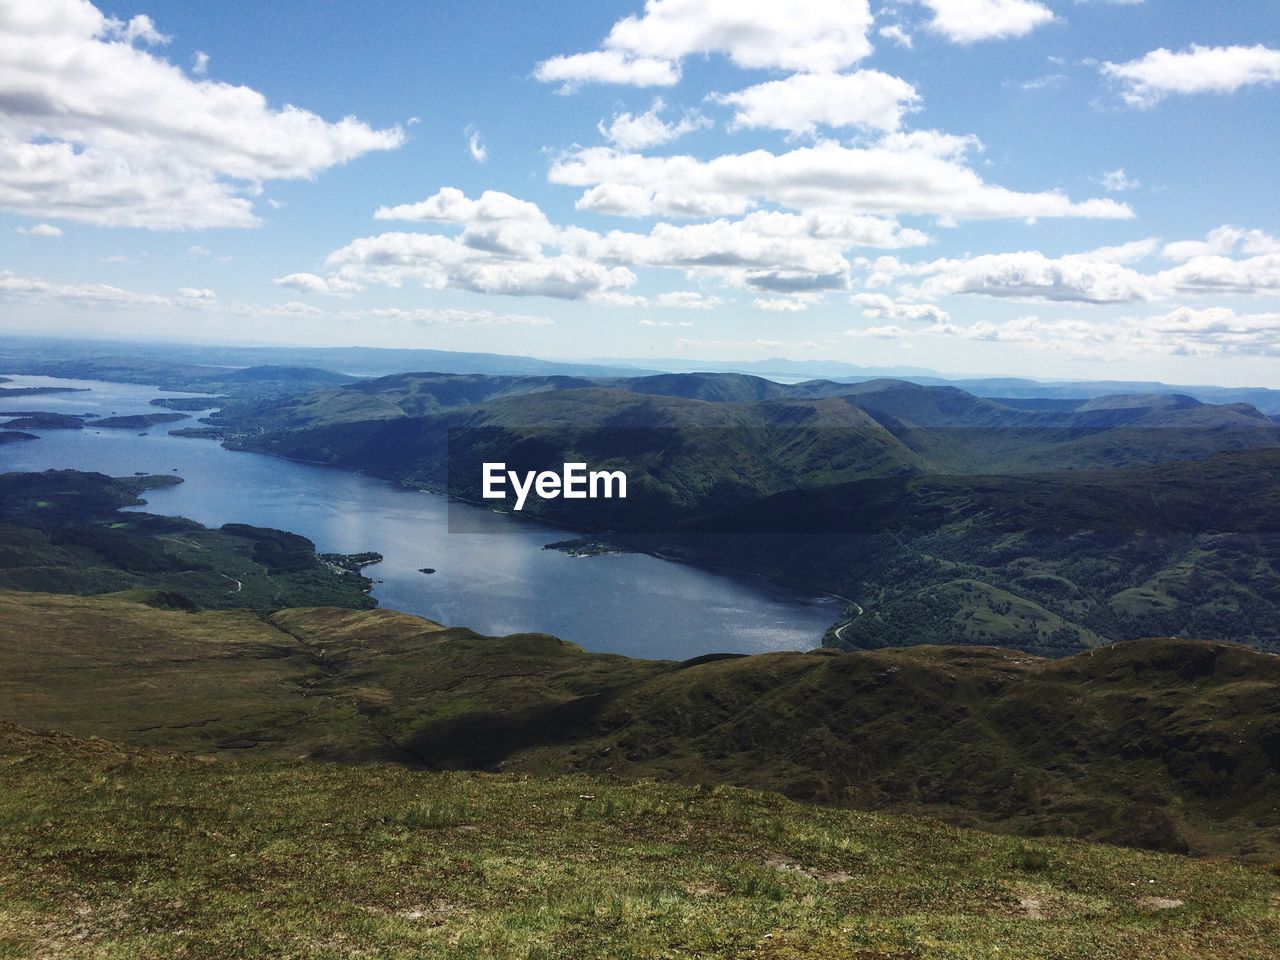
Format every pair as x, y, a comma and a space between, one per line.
802, 102
96, 128
646, 50
897, 34
35, 289
1224, 241
1030, 275
507, 245
780, 304
1161, 73
921, 172
969, 21
1103, 276
475, 145
888, 332
1184, 331
46, 230
878, 306
687, 300
428, 317
607, 66
641, 131
1115, 181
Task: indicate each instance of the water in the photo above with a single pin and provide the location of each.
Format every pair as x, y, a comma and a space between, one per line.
624, 603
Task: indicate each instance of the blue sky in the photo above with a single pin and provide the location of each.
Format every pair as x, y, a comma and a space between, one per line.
1057, 188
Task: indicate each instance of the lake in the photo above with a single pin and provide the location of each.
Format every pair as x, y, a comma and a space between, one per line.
631, 604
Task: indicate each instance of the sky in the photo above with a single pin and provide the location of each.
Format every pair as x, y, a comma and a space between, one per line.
1074, 189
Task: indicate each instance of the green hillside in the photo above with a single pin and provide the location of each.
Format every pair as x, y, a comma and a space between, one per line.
110, 852
1171, 745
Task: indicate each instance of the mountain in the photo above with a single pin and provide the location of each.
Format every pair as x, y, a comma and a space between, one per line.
16, 352
1051, 563
1165, 744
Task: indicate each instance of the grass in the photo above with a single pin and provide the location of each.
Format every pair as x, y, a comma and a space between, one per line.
109, 853
1160, 744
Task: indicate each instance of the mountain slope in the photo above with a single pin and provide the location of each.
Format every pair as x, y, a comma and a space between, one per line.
112, 852
1167, 744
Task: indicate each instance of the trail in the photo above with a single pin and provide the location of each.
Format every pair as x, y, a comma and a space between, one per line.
239, 585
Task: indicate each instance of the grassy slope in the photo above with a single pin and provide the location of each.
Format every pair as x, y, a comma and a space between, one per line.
1162, 744
107, 852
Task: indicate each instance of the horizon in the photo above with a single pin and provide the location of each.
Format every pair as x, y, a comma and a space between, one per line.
905, 372
1072, 190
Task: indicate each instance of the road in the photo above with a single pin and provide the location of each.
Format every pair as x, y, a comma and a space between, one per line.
844, 626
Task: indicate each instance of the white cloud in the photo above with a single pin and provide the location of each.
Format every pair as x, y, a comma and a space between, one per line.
197, 295
687, 300
200, 63
46, 230
1115, 181
896, 33
1162, 72
888, 332
1222, 275
968, 21
1030, 275
666, 323
920, 172
35, 289
479, 152
641, 131
765, 250
1102, 276
1216, 331
96, 129
878, 306
780, 304
804, 101
607, 66
646, 50
304, 283
1223, 241
428, 317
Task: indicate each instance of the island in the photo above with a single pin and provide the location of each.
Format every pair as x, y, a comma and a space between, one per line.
38, 391
15, 436
140, 420
190, 403
582, 548
40, 420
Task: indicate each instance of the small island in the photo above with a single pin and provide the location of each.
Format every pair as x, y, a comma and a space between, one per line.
140, 421
15, 436
190, 403
427, 570
582, 548
38, 391
40, 420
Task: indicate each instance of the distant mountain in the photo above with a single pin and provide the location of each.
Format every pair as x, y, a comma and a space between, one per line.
355, 361
18, 353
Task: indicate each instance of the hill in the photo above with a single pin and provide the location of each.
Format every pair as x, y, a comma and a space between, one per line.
1164, 744
109, 851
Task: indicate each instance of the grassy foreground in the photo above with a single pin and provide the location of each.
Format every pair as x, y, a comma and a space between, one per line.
111, 852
